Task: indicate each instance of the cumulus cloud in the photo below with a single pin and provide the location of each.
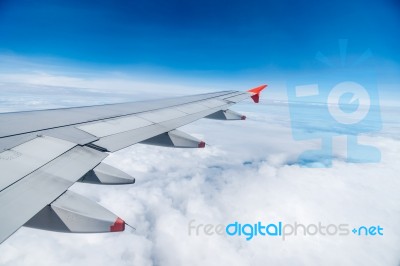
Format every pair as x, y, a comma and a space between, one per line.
248, 173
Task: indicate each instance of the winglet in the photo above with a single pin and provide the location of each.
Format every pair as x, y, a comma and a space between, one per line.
256, 93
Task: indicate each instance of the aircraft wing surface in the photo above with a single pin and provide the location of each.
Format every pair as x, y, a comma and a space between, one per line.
45, 152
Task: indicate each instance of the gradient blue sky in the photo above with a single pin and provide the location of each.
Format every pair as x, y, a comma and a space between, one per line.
227, 37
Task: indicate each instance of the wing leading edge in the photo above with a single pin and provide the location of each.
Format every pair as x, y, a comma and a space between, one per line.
46, 152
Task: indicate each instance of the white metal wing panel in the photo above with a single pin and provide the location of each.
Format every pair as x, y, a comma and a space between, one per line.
175, 123
29, 156
122, 140
114, 126
162, 115
21, 201
238, 98
71, 134
192, 108
223, 97
212, 103
12, 141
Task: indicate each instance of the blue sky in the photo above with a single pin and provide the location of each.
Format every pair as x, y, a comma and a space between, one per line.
198, 35
236, 44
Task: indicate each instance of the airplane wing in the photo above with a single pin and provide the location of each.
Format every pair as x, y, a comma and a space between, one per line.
45, 152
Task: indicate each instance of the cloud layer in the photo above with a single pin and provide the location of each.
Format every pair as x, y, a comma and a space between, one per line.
248, 173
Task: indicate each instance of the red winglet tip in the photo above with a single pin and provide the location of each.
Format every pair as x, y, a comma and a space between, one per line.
256, 93
258, 89
202, 144
118, 226
243, 117
256, 97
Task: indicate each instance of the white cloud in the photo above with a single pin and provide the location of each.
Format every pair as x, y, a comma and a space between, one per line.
248, 174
